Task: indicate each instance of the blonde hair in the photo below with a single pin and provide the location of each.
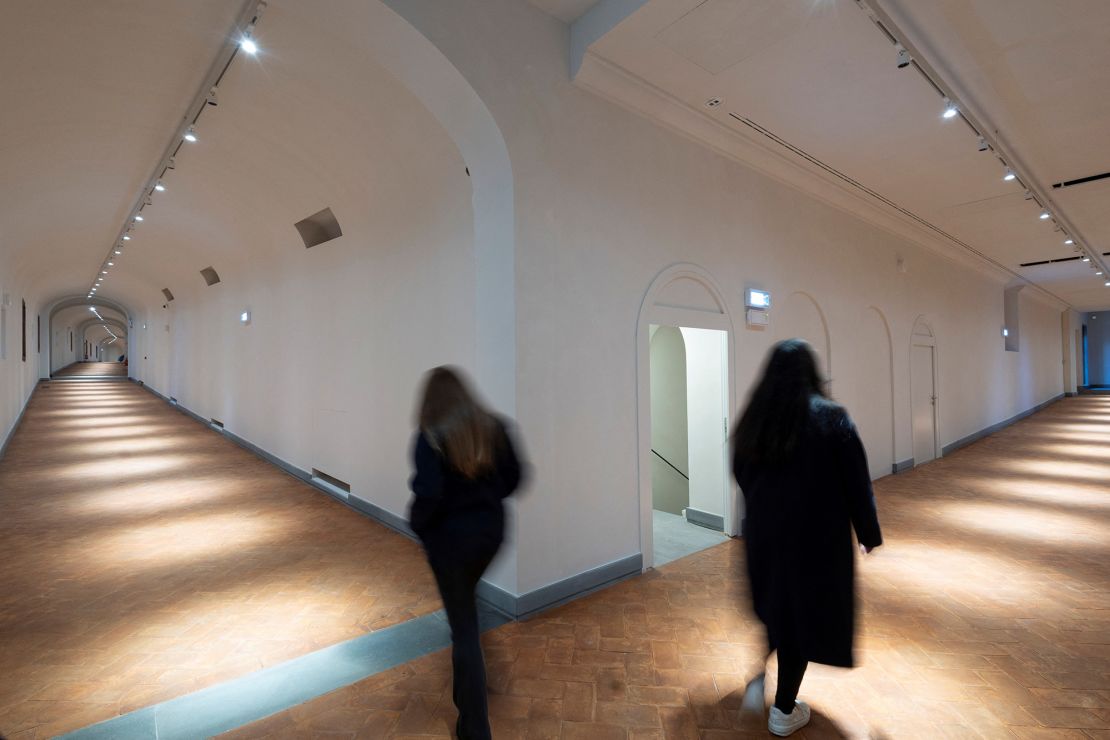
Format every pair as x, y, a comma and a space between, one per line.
455, 424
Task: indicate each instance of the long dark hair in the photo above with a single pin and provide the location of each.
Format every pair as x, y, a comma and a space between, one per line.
455, 424
775, 418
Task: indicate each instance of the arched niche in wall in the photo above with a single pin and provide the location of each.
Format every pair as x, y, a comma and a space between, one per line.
872, 381
800, 317
682, 295
414, 60
924, 392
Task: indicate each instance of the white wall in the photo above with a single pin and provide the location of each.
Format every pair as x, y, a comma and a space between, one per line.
669, 420
17, 377
604, 201
707, 404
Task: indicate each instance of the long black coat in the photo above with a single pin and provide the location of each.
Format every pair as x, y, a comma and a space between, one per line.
457, 516
798, 535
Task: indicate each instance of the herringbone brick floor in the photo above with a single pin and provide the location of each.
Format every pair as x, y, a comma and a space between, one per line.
146, 557
986, 615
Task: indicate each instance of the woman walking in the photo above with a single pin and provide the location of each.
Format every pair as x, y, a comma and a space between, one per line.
804, 475
465, 465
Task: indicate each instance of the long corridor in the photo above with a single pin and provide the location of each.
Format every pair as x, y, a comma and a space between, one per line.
149, 557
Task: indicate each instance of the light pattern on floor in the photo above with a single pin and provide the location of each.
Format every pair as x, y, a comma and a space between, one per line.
986, 615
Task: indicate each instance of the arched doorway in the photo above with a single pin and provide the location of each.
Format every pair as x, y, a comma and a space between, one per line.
872, 380
685, 304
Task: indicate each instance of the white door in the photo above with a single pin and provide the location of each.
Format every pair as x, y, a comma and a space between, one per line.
924, 405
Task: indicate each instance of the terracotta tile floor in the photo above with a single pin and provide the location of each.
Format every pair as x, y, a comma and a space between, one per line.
146, 556
82, 369
986, 615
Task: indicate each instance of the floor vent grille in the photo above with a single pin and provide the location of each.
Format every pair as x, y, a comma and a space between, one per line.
331, 483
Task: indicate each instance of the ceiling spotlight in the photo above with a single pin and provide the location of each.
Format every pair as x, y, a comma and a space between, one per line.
1045, 215
247, 43
126, 238
190, 134
1069, 241
950, 109
1009, 176
1108, 283
983, 145
159, 186
119, 251
138, 217
904, 58
1086, 259
110, 264
1098, 272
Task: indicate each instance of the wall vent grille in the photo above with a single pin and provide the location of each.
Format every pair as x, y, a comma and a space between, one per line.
217, 424
210, 275
166, 292
321, 477
318, 228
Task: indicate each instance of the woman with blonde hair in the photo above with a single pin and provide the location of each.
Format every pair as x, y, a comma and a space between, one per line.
465, 466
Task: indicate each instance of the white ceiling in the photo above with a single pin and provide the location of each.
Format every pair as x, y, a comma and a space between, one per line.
821, 76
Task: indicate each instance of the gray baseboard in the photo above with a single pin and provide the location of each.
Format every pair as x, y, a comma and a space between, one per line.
901, 466
509, 605
705, 519
976, 436
555, 594
1070, 394
18, 420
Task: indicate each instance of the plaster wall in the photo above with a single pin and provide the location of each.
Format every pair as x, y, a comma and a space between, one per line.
17, 377
605, 200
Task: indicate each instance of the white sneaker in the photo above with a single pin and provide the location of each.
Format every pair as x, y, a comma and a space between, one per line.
753, 696
787, 724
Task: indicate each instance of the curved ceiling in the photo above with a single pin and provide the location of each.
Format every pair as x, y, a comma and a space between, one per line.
295, 130
822, 77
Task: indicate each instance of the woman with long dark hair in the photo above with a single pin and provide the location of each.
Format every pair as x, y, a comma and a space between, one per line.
465, 465
804, 475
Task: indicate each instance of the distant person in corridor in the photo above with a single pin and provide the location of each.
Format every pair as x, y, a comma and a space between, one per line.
804, 475
465, 465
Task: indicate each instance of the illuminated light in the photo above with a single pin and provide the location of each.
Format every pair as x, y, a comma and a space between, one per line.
757, 298
160, 187
119, 252
138, 217
1009, 176
190, 134
103, 272
1045, 215
1005, 332
1069, 242
245, 317
110, 264
950, 109
126, 238
247, 44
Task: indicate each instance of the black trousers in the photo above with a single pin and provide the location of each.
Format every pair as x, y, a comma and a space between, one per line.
457, 576
792, 668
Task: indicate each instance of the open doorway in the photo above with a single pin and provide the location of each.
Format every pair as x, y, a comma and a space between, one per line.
689, 439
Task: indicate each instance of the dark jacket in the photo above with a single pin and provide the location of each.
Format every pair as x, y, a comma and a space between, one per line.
453, 513
798, 526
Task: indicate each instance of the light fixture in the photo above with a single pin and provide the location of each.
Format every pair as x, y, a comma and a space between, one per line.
138, 217
247, 44
1098, 272
1086, 259
950, 109
1009, 176
1045, 215
1069, 241
757, 298
190, 134
1108, 283
126, 238
983, 145
110, 264
904, 58
118, 251
1005, 332
159, 186
103, 272
245, 318
92, 309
